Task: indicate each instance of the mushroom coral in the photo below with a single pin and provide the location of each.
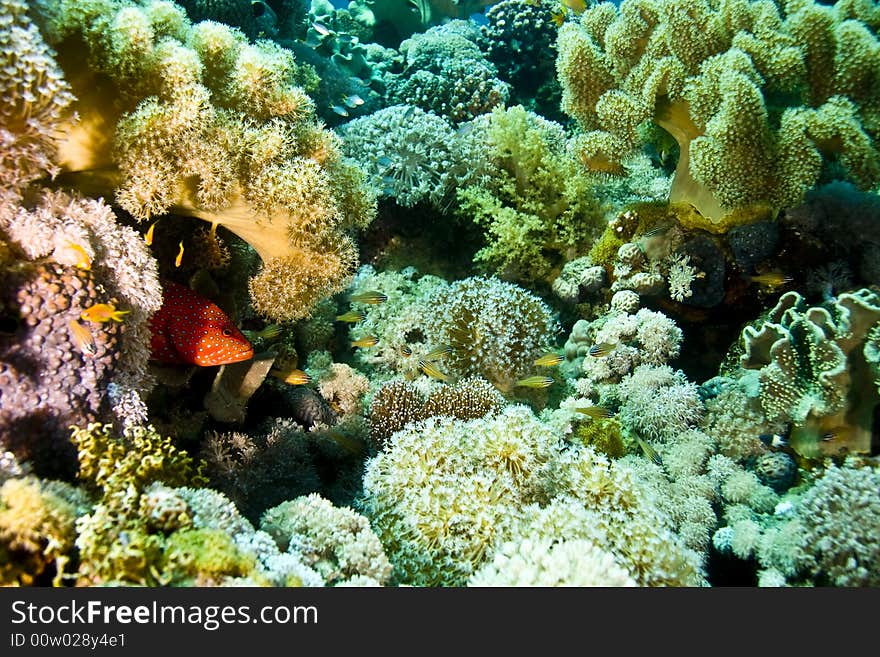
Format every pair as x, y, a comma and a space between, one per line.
196, 120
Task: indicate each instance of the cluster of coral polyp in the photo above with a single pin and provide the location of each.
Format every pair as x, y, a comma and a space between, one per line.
47, 381
759, 96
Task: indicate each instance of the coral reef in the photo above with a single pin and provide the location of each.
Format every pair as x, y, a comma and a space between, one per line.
212, 126
62, 256
748, 90
407, 153
536, 209
686, 189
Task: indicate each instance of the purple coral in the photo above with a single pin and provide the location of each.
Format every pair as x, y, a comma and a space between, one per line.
48, 379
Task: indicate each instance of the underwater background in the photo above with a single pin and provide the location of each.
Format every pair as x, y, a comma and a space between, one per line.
439, 293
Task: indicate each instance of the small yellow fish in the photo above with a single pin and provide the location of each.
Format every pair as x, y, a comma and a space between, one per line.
549, 360
601, 349
536, 381
558, 17
293, 377
179, 257
103, 312
577, 6
404, 350
269, 332
771, 279
84, 262
649, 451
371, 297
148, 237
436, 354
352, 317
596, 412
431, 370
83, 338
366, 342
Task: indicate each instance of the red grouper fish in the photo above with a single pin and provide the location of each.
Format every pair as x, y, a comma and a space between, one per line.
190, 329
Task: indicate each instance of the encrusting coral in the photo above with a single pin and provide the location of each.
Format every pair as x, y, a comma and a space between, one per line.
759, 96
206, 124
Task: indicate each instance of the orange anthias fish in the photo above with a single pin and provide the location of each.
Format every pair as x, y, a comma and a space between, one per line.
190, 329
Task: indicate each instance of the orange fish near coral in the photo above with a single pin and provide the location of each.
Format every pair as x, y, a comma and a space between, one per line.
190, 329
103, 312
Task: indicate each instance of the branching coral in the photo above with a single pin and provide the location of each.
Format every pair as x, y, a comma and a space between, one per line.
759, 98
537, 209
209, 125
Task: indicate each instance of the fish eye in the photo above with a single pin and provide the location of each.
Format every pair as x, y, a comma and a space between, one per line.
227, 332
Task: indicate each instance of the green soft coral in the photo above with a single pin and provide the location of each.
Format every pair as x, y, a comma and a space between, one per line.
201, 122
537, 210
116, 541
37, 520
763, 100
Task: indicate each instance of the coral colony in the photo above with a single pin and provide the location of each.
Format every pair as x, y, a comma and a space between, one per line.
422, 293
